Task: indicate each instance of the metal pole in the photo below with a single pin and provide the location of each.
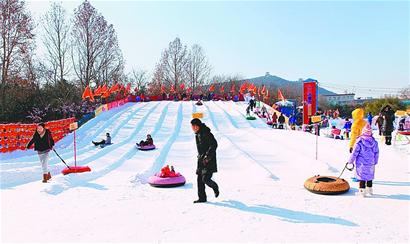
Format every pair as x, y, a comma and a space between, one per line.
317, 138
75, 151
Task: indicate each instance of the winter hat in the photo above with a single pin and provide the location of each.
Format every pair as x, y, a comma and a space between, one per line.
196, 121
367, 131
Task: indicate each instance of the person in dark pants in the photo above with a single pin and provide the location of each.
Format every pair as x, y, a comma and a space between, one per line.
281, 121
43, 143
379, 123
206, 164
103, 142
388, 127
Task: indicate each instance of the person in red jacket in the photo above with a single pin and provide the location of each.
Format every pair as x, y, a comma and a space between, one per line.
274, 120
43, 143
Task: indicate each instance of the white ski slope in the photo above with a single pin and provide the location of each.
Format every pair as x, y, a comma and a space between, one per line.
261, 172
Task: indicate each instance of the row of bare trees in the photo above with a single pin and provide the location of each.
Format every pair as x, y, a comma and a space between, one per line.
78, 50
182, 65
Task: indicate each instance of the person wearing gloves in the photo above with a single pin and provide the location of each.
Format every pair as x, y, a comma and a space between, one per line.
43, 144
357, 126
365, 156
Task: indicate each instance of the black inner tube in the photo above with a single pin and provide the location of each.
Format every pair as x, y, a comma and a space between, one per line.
325, 179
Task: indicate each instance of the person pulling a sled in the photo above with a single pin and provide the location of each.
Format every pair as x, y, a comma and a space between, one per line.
43, 144
206, 164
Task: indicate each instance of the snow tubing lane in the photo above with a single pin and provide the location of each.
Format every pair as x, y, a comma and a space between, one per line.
75, 169
326, 185
250, 118
157, 181
146, 148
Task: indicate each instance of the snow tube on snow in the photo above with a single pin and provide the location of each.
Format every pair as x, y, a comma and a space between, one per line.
404, 133
250, 118
75, 169
269, 123
158, 181
146, 148
326, 185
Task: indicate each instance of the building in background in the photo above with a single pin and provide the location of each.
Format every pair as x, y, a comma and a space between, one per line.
339, 99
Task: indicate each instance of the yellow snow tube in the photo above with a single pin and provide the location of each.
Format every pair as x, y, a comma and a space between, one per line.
197, 115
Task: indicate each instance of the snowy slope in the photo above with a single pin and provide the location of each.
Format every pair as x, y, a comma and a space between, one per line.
260, 172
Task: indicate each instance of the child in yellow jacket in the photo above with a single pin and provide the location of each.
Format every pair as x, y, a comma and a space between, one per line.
358, 124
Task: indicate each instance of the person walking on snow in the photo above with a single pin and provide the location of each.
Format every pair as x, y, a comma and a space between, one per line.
379, 123
388, 127
43, 143
365, 156
206, 164
347, 127
274, 120
281, 121
369, 118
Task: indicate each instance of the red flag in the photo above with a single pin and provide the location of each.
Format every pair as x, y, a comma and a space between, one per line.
88, 94
182, 86
105, 91
263, 91
280, 95
97, 92
212, 88
222, 89
189, 90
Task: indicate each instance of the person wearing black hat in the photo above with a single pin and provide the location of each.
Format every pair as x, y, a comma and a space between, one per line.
43, 143
206, 164
388, 127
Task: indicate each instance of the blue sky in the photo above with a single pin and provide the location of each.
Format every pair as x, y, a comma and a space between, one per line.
342, 44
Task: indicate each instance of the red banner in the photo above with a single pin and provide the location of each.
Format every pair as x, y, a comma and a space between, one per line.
16, 136
310, 100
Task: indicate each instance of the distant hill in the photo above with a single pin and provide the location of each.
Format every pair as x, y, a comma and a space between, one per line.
280, 82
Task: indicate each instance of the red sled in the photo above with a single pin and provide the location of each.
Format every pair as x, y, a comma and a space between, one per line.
75, 169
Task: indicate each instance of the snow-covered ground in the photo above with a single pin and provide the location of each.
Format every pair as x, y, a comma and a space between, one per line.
261, 176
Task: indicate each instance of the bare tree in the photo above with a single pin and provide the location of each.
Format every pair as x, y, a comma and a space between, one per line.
16, 30
56, 40
109, 65
96, 54
405, 93
197, 68
174, 62
140, 78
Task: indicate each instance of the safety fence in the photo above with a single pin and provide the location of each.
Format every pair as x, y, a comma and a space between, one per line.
16, 136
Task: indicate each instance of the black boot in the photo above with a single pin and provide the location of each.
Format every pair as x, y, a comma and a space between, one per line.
200, 201
216, 191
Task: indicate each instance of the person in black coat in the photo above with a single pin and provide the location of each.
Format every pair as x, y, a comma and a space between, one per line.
281, 121
388, 115
252, 104
43, 143
206, 164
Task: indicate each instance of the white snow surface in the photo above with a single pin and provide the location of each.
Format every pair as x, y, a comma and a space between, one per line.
261, 172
